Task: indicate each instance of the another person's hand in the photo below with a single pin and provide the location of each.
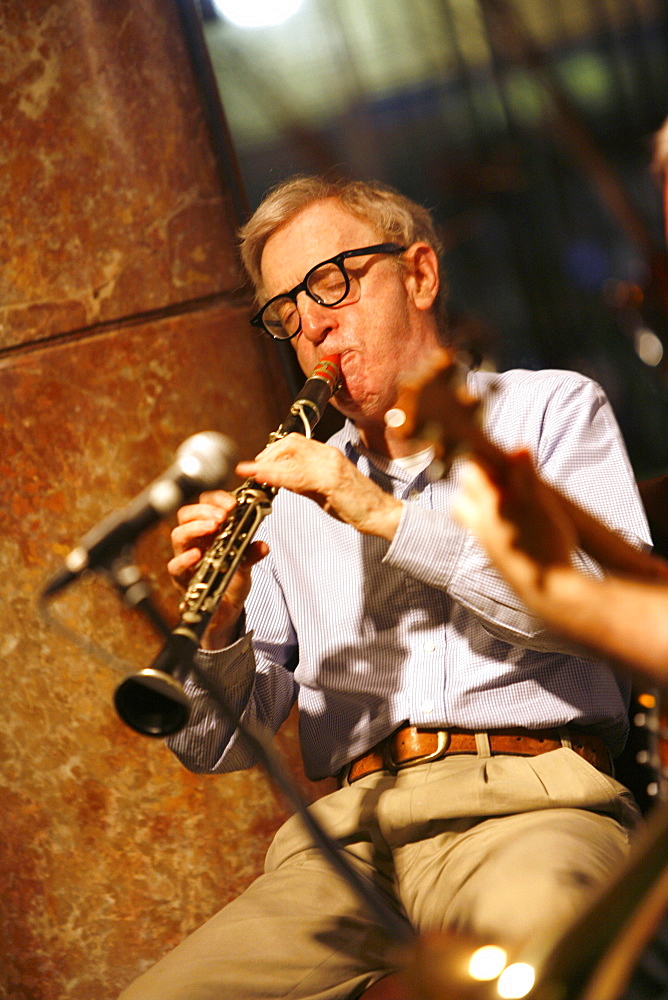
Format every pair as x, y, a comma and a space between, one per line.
529, 534
520, 522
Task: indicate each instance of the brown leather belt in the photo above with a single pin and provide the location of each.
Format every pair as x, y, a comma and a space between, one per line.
410, 745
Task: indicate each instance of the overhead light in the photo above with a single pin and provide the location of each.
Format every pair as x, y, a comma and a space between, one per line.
257, 13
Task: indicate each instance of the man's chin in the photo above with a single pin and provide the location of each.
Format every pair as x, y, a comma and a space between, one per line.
344, 405
361, 412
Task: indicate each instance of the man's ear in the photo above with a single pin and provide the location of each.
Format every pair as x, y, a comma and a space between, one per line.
422, 278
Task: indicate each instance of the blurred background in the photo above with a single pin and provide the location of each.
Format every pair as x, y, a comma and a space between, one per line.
525, 125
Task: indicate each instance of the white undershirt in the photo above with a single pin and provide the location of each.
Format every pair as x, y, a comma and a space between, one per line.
417, 462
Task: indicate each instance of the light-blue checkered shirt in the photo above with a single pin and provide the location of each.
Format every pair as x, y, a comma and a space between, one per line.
423, 629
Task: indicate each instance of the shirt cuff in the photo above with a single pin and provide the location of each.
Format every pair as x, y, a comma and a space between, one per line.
227, 669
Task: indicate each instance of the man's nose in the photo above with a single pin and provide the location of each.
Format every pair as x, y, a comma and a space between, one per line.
317, 320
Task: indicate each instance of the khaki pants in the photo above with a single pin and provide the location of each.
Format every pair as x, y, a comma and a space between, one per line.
502, 847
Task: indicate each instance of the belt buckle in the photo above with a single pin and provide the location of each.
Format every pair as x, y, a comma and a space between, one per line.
442, 744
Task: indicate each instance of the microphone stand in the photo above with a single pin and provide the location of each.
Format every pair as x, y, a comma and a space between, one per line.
135, 592
126, 578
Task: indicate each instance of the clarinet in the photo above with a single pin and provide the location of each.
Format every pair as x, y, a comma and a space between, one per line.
153, 701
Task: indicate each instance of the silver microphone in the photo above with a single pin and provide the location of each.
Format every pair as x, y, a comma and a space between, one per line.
203, 462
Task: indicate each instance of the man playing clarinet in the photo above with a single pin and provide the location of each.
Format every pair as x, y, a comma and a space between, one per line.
473, 747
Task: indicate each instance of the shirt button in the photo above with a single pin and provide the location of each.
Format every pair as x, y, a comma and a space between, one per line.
429, 647
427, 707
414, 494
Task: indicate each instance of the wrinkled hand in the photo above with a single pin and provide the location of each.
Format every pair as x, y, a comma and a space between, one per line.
198, 524
323, 474
521, 522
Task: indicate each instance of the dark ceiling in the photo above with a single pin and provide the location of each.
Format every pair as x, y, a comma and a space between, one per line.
526, 127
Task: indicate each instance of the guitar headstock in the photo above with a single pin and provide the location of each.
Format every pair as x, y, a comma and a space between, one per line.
435, 408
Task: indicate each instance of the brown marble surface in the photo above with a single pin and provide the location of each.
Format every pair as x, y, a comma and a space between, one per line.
121, 333
111, 201
111, 851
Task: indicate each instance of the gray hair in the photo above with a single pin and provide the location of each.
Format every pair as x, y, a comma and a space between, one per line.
397, 219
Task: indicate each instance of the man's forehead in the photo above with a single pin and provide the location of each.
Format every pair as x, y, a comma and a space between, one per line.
323, 220
319, 231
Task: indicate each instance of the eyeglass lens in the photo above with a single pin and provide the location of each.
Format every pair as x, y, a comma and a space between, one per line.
327, 284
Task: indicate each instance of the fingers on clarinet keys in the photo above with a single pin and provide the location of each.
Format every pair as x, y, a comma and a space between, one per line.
153, 702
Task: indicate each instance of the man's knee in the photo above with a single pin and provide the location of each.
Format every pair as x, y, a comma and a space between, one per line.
540, 876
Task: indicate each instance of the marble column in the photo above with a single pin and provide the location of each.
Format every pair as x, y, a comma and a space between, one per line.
123, 330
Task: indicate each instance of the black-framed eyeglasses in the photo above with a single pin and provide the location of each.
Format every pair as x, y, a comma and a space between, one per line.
328, 284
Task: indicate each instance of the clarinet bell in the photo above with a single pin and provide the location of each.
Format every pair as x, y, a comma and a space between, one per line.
152, 703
